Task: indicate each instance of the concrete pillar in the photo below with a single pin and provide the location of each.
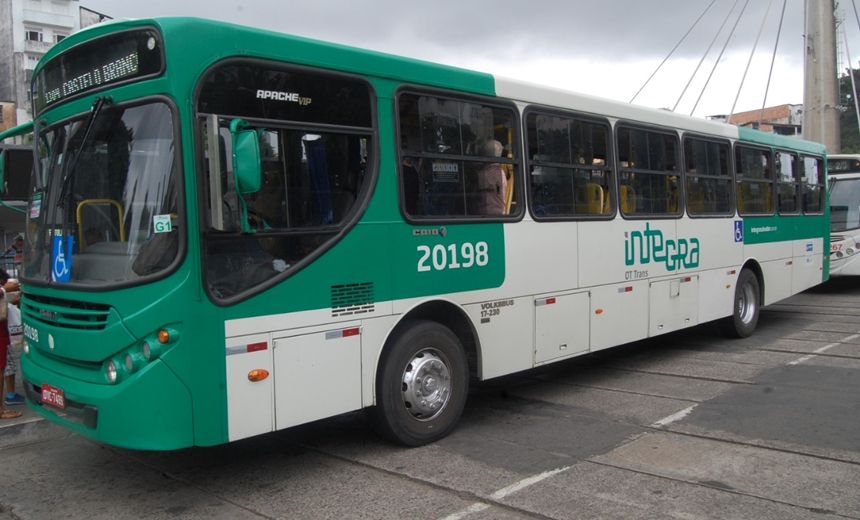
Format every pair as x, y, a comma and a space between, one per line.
821, 88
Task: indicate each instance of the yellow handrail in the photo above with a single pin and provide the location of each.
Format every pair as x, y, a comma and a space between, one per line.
99, 201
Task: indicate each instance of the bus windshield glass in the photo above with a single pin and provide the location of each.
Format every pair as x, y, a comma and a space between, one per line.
104, 203
844, 210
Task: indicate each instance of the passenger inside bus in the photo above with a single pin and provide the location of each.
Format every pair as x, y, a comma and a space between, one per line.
492, 182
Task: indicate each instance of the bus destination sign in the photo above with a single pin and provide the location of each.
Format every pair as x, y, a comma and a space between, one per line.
106, 61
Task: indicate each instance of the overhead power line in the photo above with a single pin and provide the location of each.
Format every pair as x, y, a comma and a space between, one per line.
673, 50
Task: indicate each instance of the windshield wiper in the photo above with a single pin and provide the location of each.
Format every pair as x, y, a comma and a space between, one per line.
98, 104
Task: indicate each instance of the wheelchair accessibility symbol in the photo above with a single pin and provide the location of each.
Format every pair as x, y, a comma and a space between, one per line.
739, 230
61, 261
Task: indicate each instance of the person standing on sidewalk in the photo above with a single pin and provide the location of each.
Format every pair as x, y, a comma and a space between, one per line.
5, 347
11, 397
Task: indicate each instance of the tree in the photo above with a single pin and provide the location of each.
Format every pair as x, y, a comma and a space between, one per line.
850, 126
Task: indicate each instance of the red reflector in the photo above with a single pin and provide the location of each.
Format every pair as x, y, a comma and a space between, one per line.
550, 301
351, 332
255, 347
688, 279
628, 289
789, 262
732, 271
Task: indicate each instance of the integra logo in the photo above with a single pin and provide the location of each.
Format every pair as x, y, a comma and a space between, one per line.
650, 246
283, 96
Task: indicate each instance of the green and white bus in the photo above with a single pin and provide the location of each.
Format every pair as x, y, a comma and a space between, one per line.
232, 231
844, 188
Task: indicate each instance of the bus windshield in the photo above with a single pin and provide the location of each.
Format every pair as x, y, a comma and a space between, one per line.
104, 202
844, 208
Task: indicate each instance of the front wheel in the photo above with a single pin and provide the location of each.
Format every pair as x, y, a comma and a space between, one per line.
421, 384
744, 318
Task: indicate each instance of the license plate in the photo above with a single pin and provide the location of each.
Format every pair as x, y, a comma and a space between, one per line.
53, 396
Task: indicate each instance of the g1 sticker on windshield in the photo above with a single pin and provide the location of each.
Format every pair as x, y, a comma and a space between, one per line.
161, 224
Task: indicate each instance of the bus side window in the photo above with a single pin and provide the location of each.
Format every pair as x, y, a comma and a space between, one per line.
648, 162
310, 186
813, 185
708, 179
567, 167
754, 180
457, 159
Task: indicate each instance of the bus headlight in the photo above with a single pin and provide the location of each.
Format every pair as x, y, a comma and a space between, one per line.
111, 371
850, 251
151, 350
133, 362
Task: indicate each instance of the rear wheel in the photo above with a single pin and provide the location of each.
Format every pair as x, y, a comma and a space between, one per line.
421, 384
744, 318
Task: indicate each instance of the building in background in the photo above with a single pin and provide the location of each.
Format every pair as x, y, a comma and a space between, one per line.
782, 120
28, 29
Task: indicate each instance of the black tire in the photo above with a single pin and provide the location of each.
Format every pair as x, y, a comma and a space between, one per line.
744, 318
421, 384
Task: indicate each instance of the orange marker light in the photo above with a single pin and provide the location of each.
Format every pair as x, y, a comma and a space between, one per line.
163, 336
598, 311
257, 375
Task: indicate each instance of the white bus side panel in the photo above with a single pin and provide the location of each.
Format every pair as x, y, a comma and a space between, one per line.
777, 280
808, 264
249, 404
561, 326
318, 375
619, 314
776, 261
506, 339
674, 304
717, 293
720, 258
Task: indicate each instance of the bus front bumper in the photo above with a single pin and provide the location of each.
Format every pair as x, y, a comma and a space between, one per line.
151, 411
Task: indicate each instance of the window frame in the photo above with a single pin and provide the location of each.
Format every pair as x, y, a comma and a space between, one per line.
608, 167
731, 211
516, 148
738, 178
621, 170
34, 32
822, 184
336, 231
796, 182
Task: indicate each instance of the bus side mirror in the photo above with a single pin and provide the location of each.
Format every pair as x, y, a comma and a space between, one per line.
247, 172
246, 158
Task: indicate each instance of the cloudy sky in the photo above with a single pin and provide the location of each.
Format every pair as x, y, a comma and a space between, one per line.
607, 47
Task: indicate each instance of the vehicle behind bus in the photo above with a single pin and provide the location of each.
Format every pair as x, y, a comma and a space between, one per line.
844, 188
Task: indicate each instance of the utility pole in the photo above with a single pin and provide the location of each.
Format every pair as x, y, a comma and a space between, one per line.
820, 88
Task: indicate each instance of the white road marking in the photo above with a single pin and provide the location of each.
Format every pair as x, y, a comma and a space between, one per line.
810, 356
674, 417
505, 491
825, 348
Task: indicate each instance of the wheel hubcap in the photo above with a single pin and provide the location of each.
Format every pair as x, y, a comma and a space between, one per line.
746, 303
426, 385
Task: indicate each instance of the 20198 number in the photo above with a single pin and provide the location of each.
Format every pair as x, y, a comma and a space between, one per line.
440, 258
